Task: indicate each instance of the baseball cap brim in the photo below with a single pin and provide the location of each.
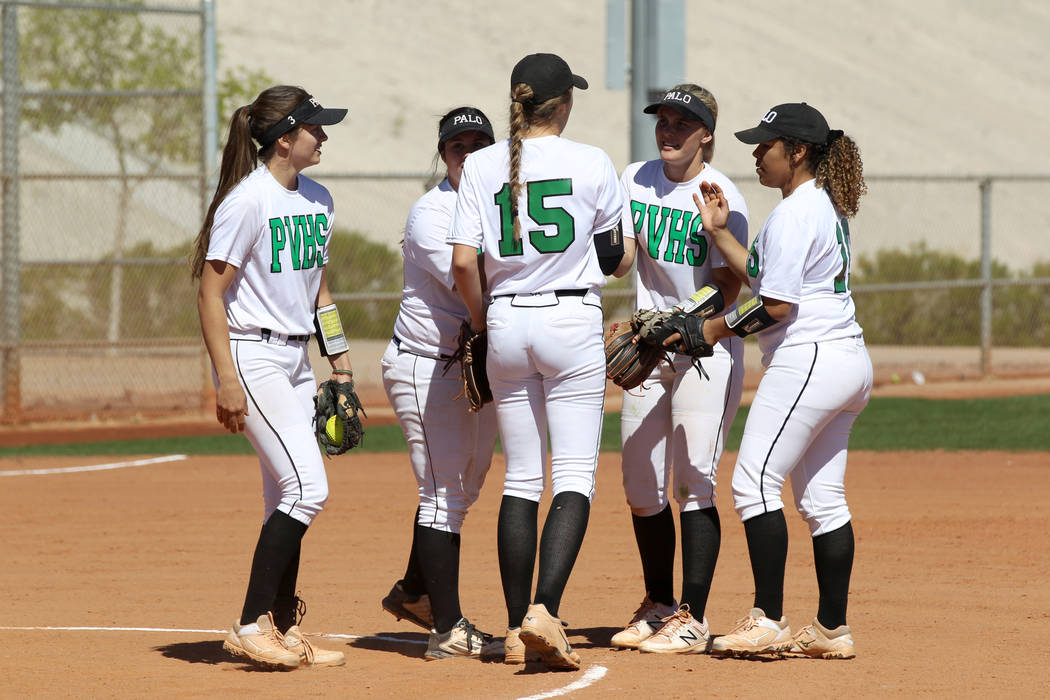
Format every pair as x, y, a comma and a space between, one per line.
579, 82
756, 135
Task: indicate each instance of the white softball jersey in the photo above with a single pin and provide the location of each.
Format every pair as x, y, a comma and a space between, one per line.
551, 220
431, 312
278, 241
674, 256
802, 256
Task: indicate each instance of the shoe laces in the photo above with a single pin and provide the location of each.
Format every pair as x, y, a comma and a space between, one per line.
672, 623
644, 611
473, 635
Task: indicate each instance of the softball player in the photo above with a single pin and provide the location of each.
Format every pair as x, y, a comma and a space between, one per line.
818, 374
260, 257
545, 212
679, 420
450, 448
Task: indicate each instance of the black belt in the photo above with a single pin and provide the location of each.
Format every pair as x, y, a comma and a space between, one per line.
557, 293
266, 333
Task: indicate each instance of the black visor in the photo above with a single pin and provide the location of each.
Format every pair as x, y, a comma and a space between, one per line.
687, 104
309, 111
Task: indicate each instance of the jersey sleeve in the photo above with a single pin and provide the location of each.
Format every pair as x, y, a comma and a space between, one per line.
784, 251
234, 230
425, 242
466, 219
627, 218
611, 197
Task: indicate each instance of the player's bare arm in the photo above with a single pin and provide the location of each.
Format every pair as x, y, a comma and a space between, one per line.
468, 281
340, 361
630, 246
714, 213
231, 405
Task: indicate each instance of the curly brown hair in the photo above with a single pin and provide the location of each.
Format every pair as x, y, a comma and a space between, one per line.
838, 169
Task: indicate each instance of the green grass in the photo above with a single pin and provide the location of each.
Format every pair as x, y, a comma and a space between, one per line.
1012, 423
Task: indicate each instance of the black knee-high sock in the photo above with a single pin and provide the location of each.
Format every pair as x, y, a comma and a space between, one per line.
701, 539
413, 583
559, 546
278, 544
516, 544
833, 556
286, 605
767, 545
656, 544
439, 561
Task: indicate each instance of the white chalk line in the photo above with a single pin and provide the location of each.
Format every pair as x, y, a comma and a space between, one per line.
96, 467
591, 676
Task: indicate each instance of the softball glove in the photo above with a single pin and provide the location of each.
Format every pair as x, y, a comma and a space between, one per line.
629, 363
338, 400
473, 347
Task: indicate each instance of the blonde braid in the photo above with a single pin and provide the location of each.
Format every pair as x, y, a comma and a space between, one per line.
520, 94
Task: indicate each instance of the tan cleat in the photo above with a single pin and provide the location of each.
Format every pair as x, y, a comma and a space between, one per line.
310, 655
755, 634
543, 632
681, 634
648, 618
264, 647
511, 649
818, 642
405, 606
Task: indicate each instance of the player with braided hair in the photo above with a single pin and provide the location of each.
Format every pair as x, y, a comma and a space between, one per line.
260, 257
818, 374
545, 212
673, 430
449, 446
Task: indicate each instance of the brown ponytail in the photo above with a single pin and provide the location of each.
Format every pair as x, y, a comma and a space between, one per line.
240, 156
523, 116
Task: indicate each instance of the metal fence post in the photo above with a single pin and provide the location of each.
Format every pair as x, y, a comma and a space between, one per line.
10, 333
986, 277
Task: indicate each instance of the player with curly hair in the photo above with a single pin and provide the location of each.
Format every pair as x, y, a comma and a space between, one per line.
818, 374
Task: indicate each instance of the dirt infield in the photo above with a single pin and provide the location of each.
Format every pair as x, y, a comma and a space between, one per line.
949, 593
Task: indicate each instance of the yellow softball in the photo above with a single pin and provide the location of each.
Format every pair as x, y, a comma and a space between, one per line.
333, 430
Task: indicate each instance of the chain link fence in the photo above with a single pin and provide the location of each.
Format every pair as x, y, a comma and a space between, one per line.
105, 139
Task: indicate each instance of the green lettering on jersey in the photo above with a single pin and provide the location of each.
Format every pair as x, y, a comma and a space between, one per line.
278, 239
295, 228
656, 233
320, 236
508, 247
637, 215
676, 232
561, 220
697, 254
752, 260
310, 251
842, 236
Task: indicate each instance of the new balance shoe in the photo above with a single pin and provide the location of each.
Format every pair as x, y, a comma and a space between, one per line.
681, 633
543, 632
464, 639
819, 642
648, 618
261, 644
405, 606
310, 655
755, 634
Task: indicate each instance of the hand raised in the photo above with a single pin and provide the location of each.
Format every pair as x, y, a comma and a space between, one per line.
712, 205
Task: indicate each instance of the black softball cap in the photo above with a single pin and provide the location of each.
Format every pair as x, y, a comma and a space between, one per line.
795, 119
309, 111
464, 119
688, 105
547, 74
